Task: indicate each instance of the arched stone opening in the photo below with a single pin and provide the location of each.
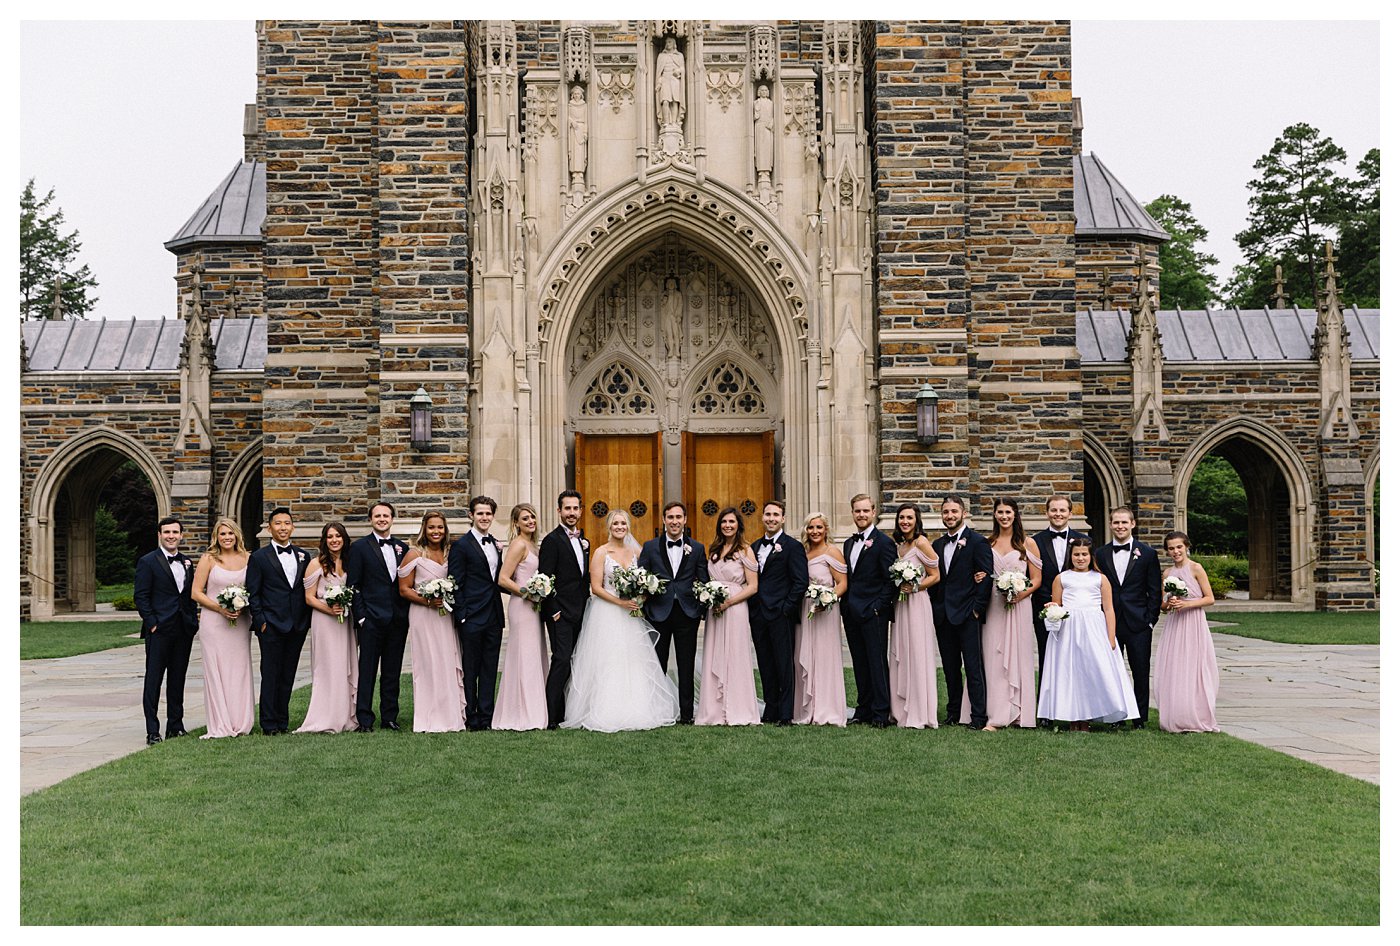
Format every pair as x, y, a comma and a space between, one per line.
240, 495
1373, 506
1104, 488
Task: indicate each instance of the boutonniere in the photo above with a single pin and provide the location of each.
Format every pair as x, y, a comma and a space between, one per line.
868, 543
582, 542
685, 549
1137, 553
776, 549
962, 542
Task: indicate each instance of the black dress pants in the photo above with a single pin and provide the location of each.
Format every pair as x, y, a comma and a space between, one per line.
683, 630
381, 652
869, 641
168, 657
278, 665
960, 647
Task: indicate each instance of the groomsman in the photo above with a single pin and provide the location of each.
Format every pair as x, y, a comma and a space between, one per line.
564, 555
169, 619
959, 607
381, 618
477, 611
1052, 543
775, 610
675, 613
1135, 575
866, 611
281, 618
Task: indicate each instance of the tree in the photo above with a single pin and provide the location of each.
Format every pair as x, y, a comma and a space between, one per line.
1359, 236
1187, 281
1296, 203
46, 257
1217, 511
116, 562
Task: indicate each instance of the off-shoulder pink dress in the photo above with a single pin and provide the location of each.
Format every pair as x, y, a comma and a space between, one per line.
520, 701
1188, 678
728, 696
1008, 652
819, 683
914, 658
334, 665
439, 700
227, 651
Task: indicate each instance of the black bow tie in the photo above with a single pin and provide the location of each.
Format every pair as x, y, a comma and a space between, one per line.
1058, 535
384, 542
488, 540
676, 544
171, 559
952, 535
765, 542
1120, 548
284, 549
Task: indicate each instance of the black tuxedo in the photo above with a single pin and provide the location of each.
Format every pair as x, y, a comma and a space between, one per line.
169, 620
571, 592
773, 613
479, 617
675, 613
281, 618
1137, 601
380, 614
866, 611
959, 607
1049, 568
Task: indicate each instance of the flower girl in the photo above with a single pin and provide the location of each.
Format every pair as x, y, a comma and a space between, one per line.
1084, 680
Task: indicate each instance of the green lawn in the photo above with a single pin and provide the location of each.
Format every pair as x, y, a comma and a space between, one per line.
106, 594
67, 638
1303, 627
698, 826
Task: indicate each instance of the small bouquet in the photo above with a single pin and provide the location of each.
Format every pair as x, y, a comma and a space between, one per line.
1176, 587
340, 595
638, 584
1011, 584
439, 590
1053, 615
821, 597
234, 598
539, 587
903, 572
710, 593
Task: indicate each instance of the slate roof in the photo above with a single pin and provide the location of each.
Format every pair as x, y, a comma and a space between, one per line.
1104, 208
233, 213
138, 344
1225, 334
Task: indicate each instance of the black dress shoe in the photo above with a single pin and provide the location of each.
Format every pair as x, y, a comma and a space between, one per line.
391, 726
552, 726
686, 722
858, 721
948, 721
152, 738
784, 722
881, 723
1139, 724
364, 729
176, 732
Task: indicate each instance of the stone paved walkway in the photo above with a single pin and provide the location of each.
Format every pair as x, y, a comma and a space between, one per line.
1317, 702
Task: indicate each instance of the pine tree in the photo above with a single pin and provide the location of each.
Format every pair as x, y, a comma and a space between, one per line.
1187, 281
1359, 237
47, 258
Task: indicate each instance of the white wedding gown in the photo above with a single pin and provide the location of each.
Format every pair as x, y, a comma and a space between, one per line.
616, 681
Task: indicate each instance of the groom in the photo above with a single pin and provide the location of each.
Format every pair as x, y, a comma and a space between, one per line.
564, 555
477, 613
866, 610
776, 610
675, 613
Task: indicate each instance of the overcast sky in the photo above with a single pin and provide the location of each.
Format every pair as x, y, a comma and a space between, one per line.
134, 123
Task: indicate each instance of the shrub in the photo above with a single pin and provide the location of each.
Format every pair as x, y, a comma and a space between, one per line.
124, 603
1220, 572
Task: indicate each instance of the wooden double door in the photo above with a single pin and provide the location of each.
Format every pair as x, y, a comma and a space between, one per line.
628, 471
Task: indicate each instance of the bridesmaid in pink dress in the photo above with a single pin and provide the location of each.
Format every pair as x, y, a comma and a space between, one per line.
225, 637
334, 663
1008, 635
819, 681
913, 649
728, 696
439, 698
1187, 676
520, 701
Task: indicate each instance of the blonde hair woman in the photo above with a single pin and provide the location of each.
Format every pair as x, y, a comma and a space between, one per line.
819, 685
225, 637
521, 703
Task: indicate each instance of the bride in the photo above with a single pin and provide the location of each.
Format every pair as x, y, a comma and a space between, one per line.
616, 682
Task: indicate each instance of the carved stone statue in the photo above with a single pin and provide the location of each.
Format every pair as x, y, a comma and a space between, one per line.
670, 85
763, 133
578, 137
672, 311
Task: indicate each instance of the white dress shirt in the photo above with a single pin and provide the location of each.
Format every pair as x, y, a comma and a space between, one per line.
576, 542
767, 550
177, 571
948, 549
858, 546
493, 558
288, 562
674, 553
386, 552
1120, 559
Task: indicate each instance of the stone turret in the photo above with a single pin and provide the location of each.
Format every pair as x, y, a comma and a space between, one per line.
1145, 353
1332, 349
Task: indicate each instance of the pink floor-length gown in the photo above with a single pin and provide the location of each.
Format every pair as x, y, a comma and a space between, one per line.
819, 683
1187, 676
914, 658
727, 693
227, 651
1008, 652
439, 698
334, 665
520, 702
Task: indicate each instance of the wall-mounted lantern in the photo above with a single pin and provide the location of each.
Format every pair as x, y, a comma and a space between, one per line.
420, 419
926, 414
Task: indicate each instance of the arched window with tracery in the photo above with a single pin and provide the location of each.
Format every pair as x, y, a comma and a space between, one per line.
727, 390
618, 390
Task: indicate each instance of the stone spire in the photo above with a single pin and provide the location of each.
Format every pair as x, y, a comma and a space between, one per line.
196, 365
1280, 300
1332, 349
56, 312
1145, 353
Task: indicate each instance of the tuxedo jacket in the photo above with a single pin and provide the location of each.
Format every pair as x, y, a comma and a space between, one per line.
870, 592
1049, 565
571, 590
272, 601
782, 582
1137, 600
159, 602
476, 604
956, 597
377, 597
679, 592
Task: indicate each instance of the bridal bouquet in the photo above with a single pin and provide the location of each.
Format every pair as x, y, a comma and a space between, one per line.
440, 590
340, 595
1011, 584
234, 598
1176, 587
710, 593
821, 597
638, 584
539, 587
903, 571
1053, 615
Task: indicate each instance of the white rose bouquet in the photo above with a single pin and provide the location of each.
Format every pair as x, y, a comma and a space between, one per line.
821, 597
1176, 587
638, 584
710, 593
340, 595
1010, 584
1053, 615
234, 598
439, 590
539, 587
904, 572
